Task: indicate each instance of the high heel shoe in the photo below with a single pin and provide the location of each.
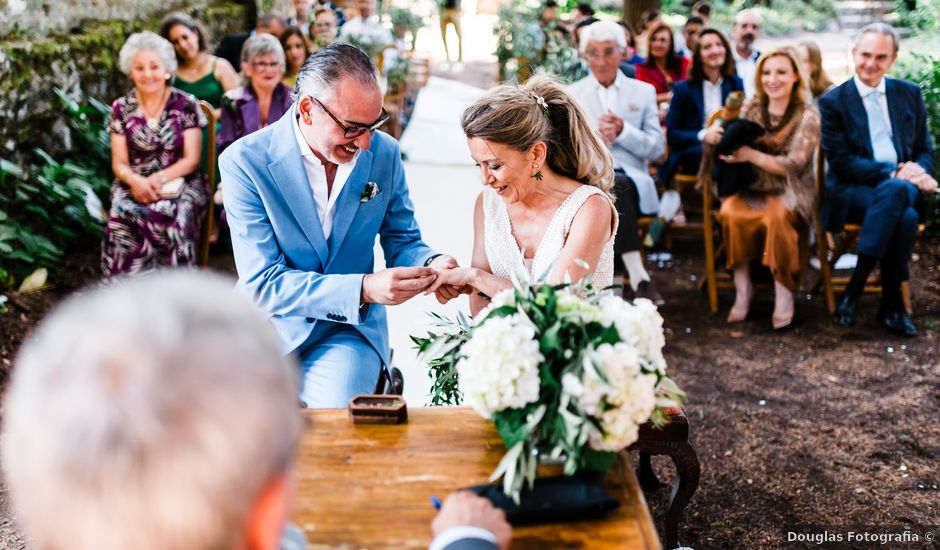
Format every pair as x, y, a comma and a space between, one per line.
781, 322
738, 311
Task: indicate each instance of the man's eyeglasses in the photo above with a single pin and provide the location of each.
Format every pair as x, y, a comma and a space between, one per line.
355, 130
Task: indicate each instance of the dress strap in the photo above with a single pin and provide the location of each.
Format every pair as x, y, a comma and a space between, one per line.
214, 61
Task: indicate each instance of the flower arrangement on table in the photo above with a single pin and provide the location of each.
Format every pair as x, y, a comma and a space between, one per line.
565, 372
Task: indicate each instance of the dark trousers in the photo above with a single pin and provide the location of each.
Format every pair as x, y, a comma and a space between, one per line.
889, 224
686, 160
628, 233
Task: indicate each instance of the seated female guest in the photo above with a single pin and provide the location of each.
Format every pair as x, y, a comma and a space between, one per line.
711, 78
324, 29
263, 99
199, 73
663, 66
155, 140
544, 213
296, 50
759, 221
811, 58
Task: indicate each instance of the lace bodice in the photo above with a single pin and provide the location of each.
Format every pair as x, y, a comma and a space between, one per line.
505, 258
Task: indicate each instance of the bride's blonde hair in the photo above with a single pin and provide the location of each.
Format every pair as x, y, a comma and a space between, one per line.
515, 117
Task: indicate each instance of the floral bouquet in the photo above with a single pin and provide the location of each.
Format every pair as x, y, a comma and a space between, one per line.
562, 377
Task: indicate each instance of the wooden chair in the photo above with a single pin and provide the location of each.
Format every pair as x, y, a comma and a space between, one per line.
831, 247
672, 440
715, 280
419, 70
208, 225
394, 103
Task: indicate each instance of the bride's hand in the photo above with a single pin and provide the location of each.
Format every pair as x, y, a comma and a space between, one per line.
451, 283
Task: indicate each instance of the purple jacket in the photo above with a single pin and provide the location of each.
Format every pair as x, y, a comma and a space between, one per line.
241, 115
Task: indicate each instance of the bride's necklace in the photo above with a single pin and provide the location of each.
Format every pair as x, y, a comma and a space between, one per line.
154, 120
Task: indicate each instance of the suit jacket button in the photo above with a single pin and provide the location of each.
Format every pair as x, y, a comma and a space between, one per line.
342, 318
310, 319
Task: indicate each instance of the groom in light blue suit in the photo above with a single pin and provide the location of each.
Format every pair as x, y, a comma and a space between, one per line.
306, 198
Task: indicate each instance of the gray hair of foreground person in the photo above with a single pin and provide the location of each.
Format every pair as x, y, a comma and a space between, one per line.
147, 41
149, 414
878, 28
323, 69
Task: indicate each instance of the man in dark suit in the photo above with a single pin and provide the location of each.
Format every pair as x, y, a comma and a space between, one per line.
874, 135
170, 435
711, 78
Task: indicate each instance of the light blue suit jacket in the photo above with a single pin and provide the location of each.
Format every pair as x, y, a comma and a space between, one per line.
304, 282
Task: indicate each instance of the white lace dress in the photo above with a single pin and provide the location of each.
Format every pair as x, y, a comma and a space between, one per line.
505, 258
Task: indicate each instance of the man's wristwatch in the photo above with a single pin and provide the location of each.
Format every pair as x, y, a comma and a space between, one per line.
431, 259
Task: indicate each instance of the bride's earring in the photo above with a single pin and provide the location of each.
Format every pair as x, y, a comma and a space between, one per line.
538, 173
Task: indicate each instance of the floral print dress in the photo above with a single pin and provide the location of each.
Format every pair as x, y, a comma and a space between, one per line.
139, 237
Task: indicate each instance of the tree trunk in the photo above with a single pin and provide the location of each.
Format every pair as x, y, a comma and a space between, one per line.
633, 9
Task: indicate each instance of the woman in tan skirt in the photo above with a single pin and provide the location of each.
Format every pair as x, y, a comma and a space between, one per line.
760, 220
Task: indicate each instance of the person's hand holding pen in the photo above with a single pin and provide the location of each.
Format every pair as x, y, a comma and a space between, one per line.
465, 509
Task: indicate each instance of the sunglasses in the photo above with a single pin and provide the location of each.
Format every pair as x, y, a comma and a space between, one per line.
355, 130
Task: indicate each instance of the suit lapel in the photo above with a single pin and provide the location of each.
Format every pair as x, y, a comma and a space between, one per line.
856, 110
894, 114
287, 171
348, 202
698, 94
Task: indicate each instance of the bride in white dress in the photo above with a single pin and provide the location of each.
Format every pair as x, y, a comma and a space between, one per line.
545, 210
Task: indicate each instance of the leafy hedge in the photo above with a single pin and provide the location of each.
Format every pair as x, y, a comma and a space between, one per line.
925, 70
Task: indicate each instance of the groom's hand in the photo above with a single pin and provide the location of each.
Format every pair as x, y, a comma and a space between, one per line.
396, 285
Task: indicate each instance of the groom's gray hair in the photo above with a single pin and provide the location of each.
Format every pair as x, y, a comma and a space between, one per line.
321, 71
148, 414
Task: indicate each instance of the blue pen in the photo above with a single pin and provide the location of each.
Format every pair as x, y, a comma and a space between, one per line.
436, 502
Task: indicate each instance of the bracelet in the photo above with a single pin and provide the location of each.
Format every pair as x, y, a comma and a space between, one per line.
161, 176
431, 259
122, 174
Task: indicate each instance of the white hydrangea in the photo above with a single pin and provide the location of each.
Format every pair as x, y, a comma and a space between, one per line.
500, 365
640, 325
614, 391
573, 308
502, 298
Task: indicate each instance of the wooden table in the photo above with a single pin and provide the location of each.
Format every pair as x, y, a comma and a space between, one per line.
369, 486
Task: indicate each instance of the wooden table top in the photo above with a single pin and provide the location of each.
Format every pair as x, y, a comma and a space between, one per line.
369, 486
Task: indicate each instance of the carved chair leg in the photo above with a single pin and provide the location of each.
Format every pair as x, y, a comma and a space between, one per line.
688, 470
645, 474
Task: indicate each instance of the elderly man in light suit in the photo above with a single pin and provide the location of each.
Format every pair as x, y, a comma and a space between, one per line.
306, 198
624, 110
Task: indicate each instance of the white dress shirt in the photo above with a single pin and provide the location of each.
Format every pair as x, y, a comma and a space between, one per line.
369, 30
711, 102
747, 69
316, 178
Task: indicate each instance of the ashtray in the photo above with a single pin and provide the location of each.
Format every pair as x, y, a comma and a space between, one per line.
378, 409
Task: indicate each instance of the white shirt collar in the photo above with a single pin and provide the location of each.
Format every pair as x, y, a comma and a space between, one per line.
751, 57
717, 84
864, 89
618, 80
305, 149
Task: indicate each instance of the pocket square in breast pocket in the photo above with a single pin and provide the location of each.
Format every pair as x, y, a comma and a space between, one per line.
369, 192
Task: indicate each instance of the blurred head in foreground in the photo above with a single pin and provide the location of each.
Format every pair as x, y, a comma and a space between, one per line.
155, 413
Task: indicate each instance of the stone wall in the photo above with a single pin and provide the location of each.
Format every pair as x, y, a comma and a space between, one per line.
82, 62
